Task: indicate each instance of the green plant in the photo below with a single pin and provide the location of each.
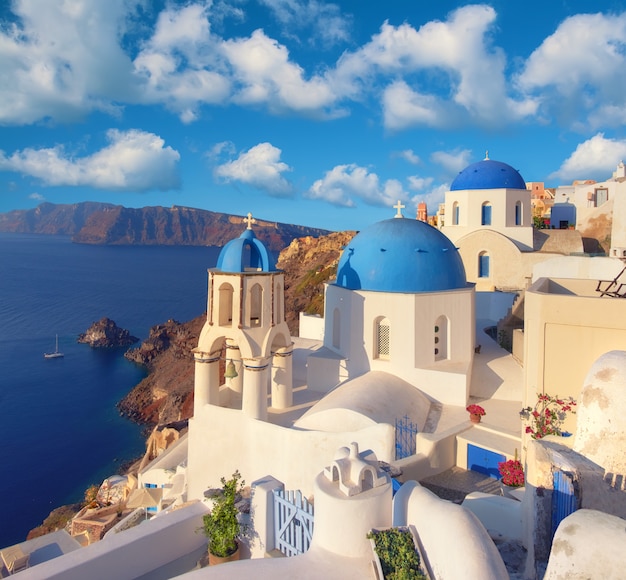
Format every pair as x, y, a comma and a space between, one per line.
221, 526
396, 551
547, 416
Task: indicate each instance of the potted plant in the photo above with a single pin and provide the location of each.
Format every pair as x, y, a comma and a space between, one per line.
547, 416
396, 554
222, 526
476, 412
512, 475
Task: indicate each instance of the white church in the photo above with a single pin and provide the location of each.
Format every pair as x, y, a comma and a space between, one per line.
403, 344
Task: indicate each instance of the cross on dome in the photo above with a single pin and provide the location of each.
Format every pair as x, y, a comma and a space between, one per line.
249, 220
399, 207
486, 155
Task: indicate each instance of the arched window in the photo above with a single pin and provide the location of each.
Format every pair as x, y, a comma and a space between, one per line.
483, 265
336, 328
441, 337
256, 305
455, 213
226, 292
518, 213
382, 339
485, 219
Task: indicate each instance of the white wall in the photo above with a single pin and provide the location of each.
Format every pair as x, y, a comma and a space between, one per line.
136, 552
223, 440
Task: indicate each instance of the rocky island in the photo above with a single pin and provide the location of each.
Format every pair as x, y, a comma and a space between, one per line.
106, 334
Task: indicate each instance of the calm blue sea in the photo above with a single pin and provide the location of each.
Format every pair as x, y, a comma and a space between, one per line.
59, 428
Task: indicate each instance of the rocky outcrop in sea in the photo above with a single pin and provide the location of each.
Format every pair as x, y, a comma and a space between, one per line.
105, 333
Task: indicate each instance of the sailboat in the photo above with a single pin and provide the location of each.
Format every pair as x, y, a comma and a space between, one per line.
56, 353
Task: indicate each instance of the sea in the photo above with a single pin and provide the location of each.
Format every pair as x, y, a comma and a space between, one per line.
60, 430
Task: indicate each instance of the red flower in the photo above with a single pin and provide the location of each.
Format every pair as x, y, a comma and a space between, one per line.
512, 472
475, 410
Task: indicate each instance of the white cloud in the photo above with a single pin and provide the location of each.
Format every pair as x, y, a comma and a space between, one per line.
419, 183
579, 70
325, 20
265, 75
134, 161
61, 60
345, 183
458, 50
432, 198
409, 156
595, 158
36, 196
259, 167
179, 64
452, 161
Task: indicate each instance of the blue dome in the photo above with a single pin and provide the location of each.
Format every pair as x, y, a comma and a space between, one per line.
401, 255
245, 253
488, 174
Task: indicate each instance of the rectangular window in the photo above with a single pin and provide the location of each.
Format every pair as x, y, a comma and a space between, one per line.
483, 266
383, 341
486, 221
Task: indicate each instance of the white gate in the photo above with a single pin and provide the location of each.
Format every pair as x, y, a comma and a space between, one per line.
293, 522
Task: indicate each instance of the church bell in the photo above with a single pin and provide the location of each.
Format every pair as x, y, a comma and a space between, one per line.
231, 371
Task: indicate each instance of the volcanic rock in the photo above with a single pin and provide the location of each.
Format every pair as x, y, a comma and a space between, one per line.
105, 333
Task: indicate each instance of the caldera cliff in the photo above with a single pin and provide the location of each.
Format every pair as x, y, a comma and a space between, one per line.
166, 394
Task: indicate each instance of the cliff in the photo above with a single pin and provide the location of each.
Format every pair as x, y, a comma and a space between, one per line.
166, 394
102, 223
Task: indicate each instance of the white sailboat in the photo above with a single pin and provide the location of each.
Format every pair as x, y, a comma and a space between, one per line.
56, 353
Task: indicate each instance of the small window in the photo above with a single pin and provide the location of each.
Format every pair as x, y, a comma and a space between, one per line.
441, 338
518, 213
383, 341
486, 214
455, 214
483, 265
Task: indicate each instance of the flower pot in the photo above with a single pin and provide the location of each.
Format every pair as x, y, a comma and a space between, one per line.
424, 571
511, 491
213, 559
475, 417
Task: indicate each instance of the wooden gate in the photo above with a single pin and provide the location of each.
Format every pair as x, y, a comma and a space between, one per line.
564, 500
293, 522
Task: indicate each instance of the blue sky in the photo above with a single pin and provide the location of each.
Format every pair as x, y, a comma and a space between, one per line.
302, 111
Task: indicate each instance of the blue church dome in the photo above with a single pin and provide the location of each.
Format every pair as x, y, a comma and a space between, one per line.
245, 253
401, 255
488, 174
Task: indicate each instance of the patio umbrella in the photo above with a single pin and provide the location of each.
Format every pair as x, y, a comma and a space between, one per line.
144, 497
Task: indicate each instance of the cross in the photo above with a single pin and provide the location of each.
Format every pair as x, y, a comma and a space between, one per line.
249, 220
399, 207
487, 155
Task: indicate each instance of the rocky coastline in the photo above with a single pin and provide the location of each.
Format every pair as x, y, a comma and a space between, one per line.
163, 400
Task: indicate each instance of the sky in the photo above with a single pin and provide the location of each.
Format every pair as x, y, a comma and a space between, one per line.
308, 112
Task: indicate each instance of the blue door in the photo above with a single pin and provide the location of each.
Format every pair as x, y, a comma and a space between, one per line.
484, 461
564, 500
